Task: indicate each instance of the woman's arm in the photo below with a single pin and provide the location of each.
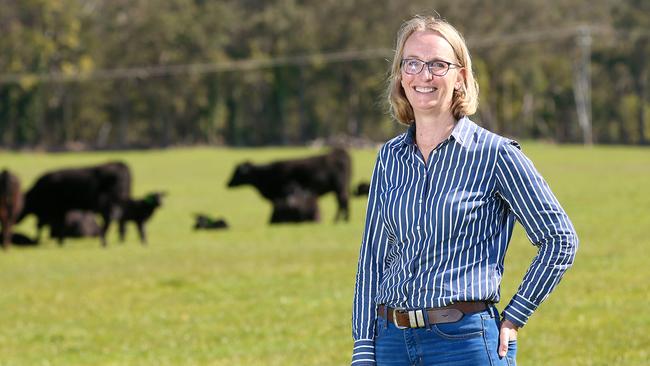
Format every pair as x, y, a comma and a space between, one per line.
371, 258
546, 224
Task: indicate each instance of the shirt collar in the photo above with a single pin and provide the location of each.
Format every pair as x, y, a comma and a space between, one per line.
462, 132
409, 137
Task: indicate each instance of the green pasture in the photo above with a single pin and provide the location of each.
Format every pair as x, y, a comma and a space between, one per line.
281, 295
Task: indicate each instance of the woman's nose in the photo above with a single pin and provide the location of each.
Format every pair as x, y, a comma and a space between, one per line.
426, 73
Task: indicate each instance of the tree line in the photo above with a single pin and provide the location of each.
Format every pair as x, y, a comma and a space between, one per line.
150, 73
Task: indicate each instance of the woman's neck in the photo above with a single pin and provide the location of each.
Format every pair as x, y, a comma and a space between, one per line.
433, 129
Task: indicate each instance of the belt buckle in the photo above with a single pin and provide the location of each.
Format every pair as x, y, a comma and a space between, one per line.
395, 310
416, 318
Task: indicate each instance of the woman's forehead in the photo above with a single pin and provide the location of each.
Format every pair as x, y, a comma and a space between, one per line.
428, 45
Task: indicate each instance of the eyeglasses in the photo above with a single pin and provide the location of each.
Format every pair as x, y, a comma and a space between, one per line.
414, 66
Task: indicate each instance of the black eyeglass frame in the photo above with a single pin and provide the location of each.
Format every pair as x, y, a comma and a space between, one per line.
429, 65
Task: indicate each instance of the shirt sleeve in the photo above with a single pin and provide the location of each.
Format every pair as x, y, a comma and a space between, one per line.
547, 226
369, 273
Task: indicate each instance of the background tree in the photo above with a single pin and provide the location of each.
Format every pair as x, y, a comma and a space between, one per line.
106, 74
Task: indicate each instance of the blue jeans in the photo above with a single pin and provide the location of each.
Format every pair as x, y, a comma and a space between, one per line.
471, 341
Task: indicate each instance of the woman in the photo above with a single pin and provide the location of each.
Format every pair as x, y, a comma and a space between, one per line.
443, 201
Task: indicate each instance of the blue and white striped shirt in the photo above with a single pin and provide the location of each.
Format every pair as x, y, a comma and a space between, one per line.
437, 232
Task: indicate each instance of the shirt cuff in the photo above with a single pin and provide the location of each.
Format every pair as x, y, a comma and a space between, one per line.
519, 310
363, 353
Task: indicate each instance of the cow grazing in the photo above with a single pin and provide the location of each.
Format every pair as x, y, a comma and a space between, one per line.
140, 211
11, 204
299, 206
103, 189
76, 224
318, 175
207, 222
362, 189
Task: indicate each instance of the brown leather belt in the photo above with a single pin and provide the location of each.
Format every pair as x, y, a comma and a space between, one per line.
403, 318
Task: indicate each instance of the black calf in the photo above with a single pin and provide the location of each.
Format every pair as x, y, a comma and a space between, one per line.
299, 206
362, 189
76, 224
207, 222
140, 211
22, 240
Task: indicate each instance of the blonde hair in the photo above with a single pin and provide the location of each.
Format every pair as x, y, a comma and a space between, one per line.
464, 101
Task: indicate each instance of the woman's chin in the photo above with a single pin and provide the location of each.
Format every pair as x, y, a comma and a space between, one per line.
426, 108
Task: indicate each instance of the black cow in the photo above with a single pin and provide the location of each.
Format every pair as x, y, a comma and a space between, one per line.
103, 189
76, 224
318, 175
140, 211
11, 204
299, 206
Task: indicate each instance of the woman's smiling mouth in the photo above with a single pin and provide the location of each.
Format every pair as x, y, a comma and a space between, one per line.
425, 89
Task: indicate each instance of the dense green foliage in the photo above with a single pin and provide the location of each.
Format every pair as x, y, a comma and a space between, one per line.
65, 79
281, 295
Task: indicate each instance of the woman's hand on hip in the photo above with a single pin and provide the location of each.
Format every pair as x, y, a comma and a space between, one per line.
508, 332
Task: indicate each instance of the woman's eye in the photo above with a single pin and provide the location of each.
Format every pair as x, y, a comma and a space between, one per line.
414, 64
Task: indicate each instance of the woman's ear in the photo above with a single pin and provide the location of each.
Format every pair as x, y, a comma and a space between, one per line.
460, 79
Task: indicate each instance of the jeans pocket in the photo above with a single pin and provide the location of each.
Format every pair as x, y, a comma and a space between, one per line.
469, 326
512, 353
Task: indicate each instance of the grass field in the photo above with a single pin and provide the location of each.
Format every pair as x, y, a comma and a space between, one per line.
262, 295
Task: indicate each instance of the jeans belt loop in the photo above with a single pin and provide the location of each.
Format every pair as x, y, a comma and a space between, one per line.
386, 316
493, 311
427, 323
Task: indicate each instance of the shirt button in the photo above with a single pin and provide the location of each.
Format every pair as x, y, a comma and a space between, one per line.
418, 227
420, 201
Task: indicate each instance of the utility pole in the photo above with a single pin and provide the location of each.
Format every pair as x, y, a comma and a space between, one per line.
582, 83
